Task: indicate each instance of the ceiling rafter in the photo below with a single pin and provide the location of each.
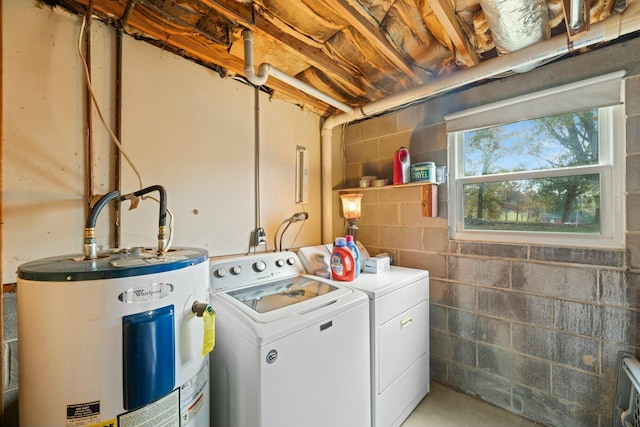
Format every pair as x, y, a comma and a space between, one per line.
446, 15
375, 37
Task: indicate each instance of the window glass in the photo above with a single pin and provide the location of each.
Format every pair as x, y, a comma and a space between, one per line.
557, 205
551, 142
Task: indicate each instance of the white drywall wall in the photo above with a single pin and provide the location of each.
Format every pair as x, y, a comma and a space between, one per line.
185, 127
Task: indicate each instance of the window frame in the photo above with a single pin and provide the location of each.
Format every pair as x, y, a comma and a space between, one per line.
610, 167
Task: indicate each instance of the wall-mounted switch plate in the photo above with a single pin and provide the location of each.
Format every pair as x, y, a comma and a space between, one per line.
261, 237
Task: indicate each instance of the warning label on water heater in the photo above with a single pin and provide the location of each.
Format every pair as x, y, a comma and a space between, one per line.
80, 414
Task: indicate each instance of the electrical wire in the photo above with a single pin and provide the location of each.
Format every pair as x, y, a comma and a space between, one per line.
115, 139
87, 76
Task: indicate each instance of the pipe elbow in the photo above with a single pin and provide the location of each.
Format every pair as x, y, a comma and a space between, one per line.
256, 79
263, 72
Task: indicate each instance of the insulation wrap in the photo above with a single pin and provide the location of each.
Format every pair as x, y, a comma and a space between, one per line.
516, 24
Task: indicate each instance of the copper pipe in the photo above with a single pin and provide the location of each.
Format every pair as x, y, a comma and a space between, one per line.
118, 131
89, 115
127, 12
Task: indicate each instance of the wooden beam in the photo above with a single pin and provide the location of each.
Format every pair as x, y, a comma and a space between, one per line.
374, 36
430, 200
446, 15
234, 10
466, 4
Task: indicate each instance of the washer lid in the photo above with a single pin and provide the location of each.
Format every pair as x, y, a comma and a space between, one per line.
281, 293
275, 300
109, 265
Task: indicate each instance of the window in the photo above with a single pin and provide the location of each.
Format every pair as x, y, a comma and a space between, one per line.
543, 168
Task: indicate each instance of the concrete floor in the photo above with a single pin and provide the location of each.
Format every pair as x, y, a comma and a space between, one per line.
445, 407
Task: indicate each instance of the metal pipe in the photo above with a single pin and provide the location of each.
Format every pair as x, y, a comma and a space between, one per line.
127, 12
89, 114
576, 14
118, 132
256, 158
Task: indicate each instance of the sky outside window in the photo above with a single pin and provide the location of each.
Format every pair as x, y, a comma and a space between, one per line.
567, 140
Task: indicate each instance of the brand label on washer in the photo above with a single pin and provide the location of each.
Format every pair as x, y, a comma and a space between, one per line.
151, 292
272, 355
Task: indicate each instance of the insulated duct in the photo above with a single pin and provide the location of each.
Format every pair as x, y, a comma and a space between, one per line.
603, 31
267, 69
516, 24
576, 13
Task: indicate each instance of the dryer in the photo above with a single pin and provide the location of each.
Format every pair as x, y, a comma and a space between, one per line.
399, 335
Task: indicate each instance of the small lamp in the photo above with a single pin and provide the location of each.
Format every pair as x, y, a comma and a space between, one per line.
351, 212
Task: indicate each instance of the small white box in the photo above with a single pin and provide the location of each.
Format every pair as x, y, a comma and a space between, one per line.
377, 264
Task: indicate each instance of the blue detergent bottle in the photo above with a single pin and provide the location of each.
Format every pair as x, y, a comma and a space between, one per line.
351, 244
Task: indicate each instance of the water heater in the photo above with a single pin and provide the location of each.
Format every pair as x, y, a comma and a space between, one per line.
115, 340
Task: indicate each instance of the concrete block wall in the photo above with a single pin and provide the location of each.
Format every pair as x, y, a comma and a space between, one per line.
533, 329
10, 358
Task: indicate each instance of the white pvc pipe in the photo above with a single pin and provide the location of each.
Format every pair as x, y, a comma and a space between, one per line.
257, 79
267, 69
524, 59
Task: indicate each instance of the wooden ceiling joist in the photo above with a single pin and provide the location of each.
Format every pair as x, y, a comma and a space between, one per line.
374, 36
446, 15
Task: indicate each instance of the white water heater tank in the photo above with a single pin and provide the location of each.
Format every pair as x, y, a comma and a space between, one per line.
116, 340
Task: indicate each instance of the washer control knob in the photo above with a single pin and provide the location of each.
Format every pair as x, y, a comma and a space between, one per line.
221, 272
236, 269
291, 261
259, 266
280, 263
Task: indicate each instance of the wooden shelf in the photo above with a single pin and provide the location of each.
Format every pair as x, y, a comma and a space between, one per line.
411, 184
429, 195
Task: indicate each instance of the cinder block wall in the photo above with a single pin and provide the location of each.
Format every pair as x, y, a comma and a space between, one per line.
10, 358
533, 329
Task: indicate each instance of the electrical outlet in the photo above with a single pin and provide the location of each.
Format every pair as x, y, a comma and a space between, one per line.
261, 237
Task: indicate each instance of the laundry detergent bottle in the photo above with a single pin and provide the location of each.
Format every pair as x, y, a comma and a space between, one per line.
342, 261
351, 244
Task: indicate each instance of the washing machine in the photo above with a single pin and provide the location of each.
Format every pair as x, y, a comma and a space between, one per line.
399, 335
290, 351
116, 340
